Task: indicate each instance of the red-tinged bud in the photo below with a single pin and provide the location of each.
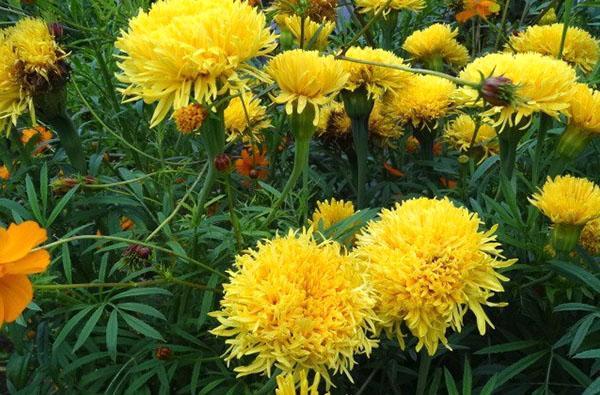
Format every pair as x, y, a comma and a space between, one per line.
498, 91
253, 174
223, 162
56, 29
163, 353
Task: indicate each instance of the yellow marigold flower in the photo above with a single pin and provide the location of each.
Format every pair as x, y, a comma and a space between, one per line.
548, 18
189, 118
331, 212
184, 49
246, 118
581, 49
426, 99
430, 264
543, 84
585, 108
296, 304
286, 384
12, 102
459, 133
314, 32
590, 237
4, 173
568, 200
395, 5
437, 41
305, 78
376, 79
17, 261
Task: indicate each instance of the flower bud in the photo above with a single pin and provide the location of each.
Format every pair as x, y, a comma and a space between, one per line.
56, 29
564, 237
498, 91
253, 174
572, 142
163, 353
222, 162
357, 103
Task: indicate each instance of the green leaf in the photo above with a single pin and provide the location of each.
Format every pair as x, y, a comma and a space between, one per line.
112, 332
581, 333
16, 207
467, 381
141, 292
207, 300
511, 371
44, 188
66, 261
140, 326
69, 326
489, 387
450, 383
142, 308
576, 273
573, 370
507, 347
576, 307
589, 354
88, 328
32, 198
593, 389
61, 205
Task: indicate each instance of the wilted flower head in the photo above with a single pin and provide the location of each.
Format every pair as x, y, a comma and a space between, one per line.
394, 5
460, 133
296, 304
580, 48
181, 50
316, 10
430, 264
568, 200
305, 78
377, 80
246, 118
316, 34
540, 84
590, 237
331, 212
189, 119
585, 108
437, 41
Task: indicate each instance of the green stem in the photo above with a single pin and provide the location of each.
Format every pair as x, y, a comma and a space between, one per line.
509, 141
426, 140
365, 28
545, 124
69, 140
209, 181
566, 20
501, 33
435, 63
360, 137
423, 372
149, 283
388, 27
213, 137
235, 223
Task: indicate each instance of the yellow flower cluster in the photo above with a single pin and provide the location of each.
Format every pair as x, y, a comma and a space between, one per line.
387, 6
437, 41
246, 118
190, 49
429, 265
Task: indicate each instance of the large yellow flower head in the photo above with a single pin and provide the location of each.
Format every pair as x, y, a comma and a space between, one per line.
568, 200
305, 78
460, 132
590, 237
394, 5
12, 102
430, 264
580, 48
376, 80
297, 305
329, 213
190, 49
585, 108
425, 100
543, 84
316, 34
437, 41
246, 118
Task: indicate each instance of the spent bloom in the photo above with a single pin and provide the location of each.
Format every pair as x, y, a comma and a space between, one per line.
429, 264
331, 212
377, 80
181, 50
568, 200
189, 119
437, 41
541, 84
460, 133
306, 79
477, 8
590, 237
580, 48
17, 261
296, 304
246, 118
394, 5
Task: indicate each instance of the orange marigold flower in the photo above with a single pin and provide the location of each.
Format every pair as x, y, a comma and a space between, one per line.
448, 183
477, 8
4, 173
189, 119
127, 223
39, 134
393, 171
253, 163
17, 260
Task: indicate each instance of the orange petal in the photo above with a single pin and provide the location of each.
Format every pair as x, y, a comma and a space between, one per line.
35, 262
18, 240
16, 293
464, 16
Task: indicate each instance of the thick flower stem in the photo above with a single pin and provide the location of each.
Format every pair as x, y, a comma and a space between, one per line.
235, 222
388, 27
69, 140
570, 144
545, 124
509, 141
426, 140
213, 137
360, 136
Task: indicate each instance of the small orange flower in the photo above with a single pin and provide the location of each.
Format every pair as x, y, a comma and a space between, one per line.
16, 262
253, 163
477, 8
448, 183
126, 223
40, 136
4, 173
392, 170
412, 145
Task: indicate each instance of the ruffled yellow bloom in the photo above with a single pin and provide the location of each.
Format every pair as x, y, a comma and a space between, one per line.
459, 133
568, 200
305, 78
430, 264
286, 384
376, 79
581, 49
425, 100
437, 41
296, 304
329, 213
246, 118
585, 108
590, 237
395, 5
543, 84
12, 102
184, 49
314, 32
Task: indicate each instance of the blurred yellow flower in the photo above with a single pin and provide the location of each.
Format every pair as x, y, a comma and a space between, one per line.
314, 32
549, 17
568, 200
543, 84
430, 264
12, 102
590, 237
190, 49
459, 133
296, 304
394, 5
437, 41
580, 48
331, 212
585, 109
376, 80
305, 78
246, 118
